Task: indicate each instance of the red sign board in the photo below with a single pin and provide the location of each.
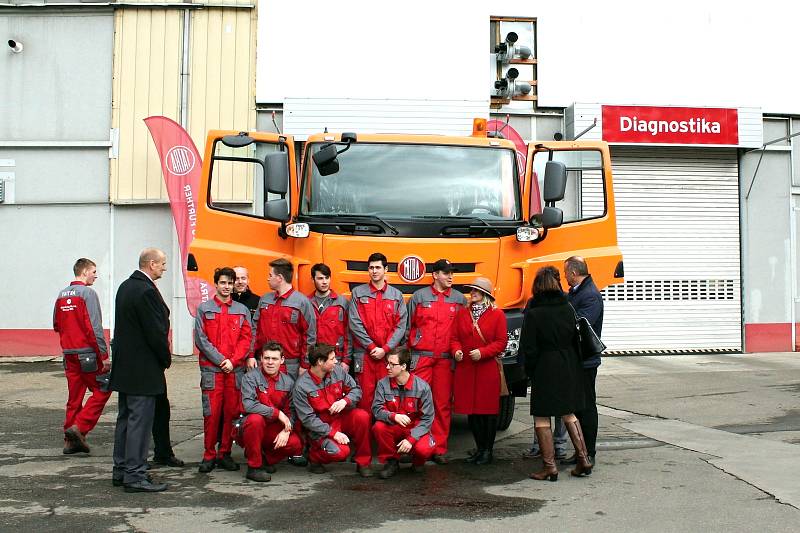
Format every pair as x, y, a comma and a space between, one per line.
670, 125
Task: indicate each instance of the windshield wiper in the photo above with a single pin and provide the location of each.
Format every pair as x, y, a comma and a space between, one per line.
366, 217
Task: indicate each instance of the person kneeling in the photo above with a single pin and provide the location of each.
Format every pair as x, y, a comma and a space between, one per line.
268, 435
403, 410
324, 400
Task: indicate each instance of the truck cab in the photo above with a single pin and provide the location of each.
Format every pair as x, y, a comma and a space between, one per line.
474, 200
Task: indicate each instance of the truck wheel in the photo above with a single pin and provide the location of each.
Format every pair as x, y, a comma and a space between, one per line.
506, 412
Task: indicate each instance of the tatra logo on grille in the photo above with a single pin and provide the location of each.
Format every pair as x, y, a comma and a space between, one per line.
411, 269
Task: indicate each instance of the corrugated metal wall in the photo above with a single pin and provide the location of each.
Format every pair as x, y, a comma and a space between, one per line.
147, 61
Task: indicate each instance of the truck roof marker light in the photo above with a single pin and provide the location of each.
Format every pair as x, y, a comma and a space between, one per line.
479, 127
298, 230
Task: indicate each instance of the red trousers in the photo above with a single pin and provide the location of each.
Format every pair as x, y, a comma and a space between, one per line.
438, 373
388, 436
355, 424
84, 416
373, 371
258, 435
220, 406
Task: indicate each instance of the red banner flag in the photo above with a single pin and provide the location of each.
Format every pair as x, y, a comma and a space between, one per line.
181, 165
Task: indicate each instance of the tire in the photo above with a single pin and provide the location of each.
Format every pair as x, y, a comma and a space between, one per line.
506, 412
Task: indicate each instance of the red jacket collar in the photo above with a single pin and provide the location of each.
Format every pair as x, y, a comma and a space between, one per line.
446, 292
395, 385
274, 378
373, 288
284, 295
76, 282
221, 303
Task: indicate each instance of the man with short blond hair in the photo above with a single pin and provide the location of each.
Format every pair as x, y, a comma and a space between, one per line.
79, 323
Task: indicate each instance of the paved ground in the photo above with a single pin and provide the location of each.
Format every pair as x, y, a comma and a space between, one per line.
687, 443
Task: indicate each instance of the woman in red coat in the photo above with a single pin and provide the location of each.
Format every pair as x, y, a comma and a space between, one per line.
478, 338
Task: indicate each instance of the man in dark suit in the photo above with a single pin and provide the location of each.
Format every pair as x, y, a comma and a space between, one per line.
588, 303
141, 353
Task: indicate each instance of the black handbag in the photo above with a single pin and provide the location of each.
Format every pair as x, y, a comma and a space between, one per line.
589, 342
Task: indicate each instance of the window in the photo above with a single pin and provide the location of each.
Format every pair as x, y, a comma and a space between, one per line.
238, 186
585, 196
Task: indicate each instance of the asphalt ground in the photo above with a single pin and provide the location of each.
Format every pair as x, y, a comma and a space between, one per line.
687, 443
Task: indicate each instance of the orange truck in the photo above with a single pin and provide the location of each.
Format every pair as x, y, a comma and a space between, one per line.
415, 198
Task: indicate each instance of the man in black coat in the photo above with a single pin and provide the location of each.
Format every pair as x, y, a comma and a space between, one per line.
588, 302
141, 353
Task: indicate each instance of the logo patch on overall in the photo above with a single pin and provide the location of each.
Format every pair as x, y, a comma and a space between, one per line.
411, 269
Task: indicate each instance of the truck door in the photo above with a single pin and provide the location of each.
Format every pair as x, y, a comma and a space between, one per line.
247, 195
589, 226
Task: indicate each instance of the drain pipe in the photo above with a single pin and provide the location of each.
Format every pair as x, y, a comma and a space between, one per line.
182, 324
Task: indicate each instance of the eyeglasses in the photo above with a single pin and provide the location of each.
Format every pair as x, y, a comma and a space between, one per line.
392, 365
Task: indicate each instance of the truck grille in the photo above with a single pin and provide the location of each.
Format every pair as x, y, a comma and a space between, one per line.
411, 288
361, 266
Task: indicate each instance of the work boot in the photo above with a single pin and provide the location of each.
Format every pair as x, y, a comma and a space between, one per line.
418, 469
206, 466
545, 436
69, 449
583, 466
76, 440
298, 460
257, 474
316, 468
389, 469
439, 459
364, 471
226, 462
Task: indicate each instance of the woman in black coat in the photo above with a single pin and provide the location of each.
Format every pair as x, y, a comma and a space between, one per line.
549, 343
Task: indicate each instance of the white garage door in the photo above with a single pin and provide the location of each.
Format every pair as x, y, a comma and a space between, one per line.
678, 228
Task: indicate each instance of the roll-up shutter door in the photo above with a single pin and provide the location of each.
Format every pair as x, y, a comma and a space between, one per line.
678, 229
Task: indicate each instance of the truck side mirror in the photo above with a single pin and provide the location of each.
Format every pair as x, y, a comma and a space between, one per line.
277, 210
555, 181
325, 160
552, 217
276, 173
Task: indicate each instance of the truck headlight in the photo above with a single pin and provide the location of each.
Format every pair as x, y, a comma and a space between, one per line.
298, 230
527, 234
512, 346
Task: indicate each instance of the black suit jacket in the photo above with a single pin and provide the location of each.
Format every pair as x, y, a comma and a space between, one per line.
141, 349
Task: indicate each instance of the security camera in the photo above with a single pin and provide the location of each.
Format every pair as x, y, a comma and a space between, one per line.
15, 46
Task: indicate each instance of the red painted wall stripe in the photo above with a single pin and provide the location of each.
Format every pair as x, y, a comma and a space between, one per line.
25, 342
768, 337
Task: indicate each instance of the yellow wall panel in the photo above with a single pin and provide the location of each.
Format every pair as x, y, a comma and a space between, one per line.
147, 64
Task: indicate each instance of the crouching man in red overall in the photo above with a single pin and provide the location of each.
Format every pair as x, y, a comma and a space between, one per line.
403, 410
268, 435
223, 335
325, 400
77, 319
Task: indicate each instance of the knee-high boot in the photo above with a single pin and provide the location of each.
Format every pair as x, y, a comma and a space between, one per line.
545, 436
583, 467
488, 430
477, 433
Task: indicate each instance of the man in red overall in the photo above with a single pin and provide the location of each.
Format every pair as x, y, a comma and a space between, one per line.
331, 312
223, 336
431, 311
79, 323
403, 410
324, 400
287, 317
268, 434
377, 320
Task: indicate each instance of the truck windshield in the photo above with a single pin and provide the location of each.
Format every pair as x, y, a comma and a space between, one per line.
413, 180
